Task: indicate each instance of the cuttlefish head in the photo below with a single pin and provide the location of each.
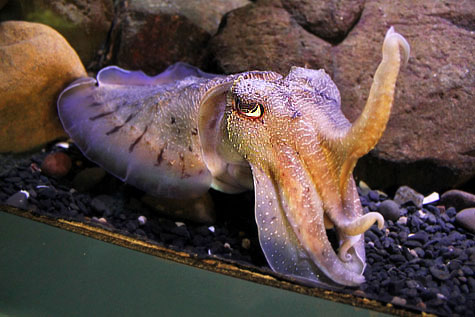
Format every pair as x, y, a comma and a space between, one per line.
302, 151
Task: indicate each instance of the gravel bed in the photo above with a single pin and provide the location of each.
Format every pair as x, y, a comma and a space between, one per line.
422, 261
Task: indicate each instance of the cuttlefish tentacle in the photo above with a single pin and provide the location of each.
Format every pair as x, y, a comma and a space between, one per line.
368, 128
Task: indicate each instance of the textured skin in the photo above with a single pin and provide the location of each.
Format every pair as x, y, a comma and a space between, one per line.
183, 131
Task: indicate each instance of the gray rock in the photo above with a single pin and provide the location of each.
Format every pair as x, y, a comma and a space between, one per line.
330, 20
105, 205
457, 199
466, 219
406, 194
389, 209
18, 200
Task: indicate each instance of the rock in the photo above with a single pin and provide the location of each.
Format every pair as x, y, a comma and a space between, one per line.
396, 300
246, 243
458, 199
434, 97
466, 219
259, 37
88, 178
37, 63
154, 35
330, 20
84, 23
56, 164
373, 195
105, 205
440, 274
18, 200
142, 220
363, 188
420, 236
432, 198
99, 205
389, 209
406, 194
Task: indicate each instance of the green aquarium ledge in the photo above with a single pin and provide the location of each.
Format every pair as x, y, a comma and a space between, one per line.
88, 271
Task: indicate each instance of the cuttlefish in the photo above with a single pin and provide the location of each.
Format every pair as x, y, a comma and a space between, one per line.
179, 133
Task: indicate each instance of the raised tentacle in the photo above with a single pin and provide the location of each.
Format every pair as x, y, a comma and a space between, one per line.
369, 127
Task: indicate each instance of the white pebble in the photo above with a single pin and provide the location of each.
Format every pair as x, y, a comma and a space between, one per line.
64, 145
211, 228
402, 220
27, 194
399, 301
142, 220
431, 198
227, 246
179, 223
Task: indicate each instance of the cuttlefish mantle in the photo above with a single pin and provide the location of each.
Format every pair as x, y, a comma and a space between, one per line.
179, 133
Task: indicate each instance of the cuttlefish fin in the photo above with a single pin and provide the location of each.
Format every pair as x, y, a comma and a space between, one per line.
113, 75
140, 128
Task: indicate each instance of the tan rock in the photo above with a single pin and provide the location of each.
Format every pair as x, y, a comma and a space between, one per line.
36, 63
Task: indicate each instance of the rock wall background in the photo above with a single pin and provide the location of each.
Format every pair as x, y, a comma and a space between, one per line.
429, 143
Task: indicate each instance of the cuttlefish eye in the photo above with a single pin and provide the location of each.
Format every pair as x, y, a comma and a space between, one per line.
249, 109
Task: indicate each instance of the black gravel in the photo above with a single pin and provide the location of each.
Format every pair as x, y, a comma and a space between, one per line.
422, 261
